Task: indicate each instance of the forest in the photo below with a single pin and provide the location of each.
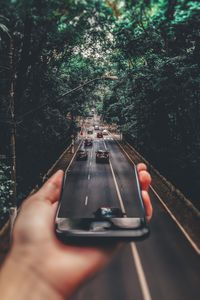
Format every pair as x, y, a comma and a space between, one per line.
49, 47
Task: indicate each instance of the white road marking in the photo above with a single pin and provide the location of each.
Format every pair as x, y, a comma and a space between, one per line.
105, 145
192, 243
117, 189
73, 157
142, 279
88, 176
90, 163
86, 200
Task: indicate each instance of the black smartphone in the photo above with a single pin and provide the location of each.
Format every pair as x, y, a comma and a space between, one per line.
79, 224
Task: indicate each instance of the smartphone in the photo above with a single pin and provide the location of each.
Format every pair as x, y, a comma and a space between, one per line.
101, 224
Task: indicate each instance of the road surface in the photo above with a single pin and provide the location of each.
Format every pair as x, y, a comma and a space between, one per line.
163, 267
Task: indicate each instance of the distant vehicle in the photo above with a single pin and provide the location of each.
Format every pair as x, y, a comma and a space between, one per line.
99, 134
109, 212
102, 156
90, 131
91, 115
105, 132
81, 155
96, 127
88, 142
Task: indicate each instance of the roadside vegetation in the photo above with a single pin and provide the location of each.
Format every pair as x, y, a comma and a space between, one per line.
156, 103
49, 47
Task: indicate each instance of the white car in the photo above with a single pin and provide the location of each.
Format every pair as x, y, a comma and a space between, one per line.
105, 132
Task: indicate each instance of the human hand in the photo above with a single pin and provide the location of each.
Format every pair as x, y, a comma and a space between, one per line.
55, 269
145, 181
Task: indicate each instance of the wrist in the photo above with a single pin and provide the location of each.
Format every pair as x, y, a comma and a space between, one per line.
21, 279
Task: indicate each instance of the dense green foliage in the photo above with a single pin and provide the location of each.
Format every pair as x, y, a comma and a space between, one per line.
5, 191
40, 54
50, 47
157, 101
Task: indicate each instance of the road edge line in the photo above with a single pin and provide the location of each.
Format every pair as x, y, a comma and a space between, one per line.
189, 239
187, 201
139, 268
192, 243
73, 158
117, 189
140, 272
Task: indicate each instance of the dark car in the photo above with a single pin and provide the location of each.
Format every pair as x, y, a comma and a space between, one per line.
88, 142
109, 212
81, 154
102, 156
99, 134
90, 131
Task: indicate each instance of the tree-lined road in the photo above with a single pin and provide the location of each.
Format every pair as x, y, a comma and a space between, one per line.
165, 266
89, 185
93, 185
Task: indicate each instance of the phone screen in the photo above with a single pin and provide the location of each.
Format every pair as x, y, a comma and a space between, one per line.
101, 196
83, 195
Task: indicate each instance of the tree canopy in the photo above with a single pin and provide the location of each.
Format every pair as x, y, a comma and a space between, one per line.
50, 47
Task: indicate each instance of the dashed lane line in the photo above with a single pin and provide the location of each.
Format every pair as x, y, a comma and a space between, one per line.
105, 144
86, 200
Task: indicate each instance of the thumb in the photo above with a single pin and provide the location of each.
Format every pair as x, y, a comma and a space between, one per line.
35, 220
51, 190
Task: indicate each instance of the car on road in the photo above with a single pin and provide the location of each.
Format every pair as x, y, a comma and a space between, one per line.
105, 132
99, 134
88, 142
96, 127
81, 155
108, 212
102, 156
90, 131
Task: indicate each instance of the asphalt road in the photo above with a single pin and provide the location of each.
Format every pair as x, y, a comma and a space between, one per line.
163, 267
